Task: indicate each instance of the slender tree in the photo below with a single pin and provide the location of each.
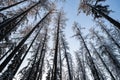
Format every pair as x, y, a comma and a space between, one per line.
10, 49
10, 28
42, 56
33, 64
2, 66
110, 54
4, 8
91, 62
97, 10
96, 52
26, 52
9, 73
8, 21
63, 41
60, 60
103, 27
81, 67
59, 22
54, 77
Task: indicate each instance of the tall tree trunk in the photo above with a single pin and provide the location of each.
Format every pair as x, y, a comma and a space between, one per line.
5, 62
94, 70
48, 75
60, 63
102, 76
54, 76
27, 51
82, 68
4, 8
9, 73
34, 62
41, 67
42, 54
11, 48
103, 27
92, 64
111, 20
110, 55
113, 78
10, 28
8, 21
67, 60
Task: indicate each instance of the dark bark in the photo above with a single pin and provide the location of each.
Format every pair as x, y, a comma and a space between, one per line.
4, 8
103, 27
113, 78
27, 51
41, 67
110, 55
48, 77
67, 60
42, 54
113, 58
102, 76
11, 48
60, 63
5, 62
93, 68
54, 76
8, 21
10, 28
92, 64
82, 67
111, 20
14, 63
34, 62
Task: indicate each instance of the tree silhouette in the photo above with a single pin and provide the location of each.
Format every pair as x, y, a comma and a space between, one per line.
97, 10
34, 33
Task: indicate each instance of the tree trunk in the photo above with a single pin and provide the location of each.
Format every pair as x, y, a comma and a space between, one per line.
113, 78
34, 61
4, 8
54, 76
41, 67
10, 28
82, 68
2, 66
114, 22
41, 55
14, 63
60, 63
8, 21
67, 60
103, 27
7, 52
27, 51
110, 55
92, 64
113, 58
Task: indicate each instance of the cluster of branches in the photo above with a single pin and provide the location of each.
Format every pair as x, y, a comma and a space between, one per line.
13, 17
39, 62
98, 56
14, 50
95, 8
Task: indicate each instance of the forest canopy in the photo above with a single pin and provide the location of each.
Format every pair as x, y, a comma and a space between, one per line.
59, 40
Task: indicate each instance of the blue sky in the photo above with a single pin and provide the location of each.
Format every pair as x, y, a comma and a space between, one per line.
115, 6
